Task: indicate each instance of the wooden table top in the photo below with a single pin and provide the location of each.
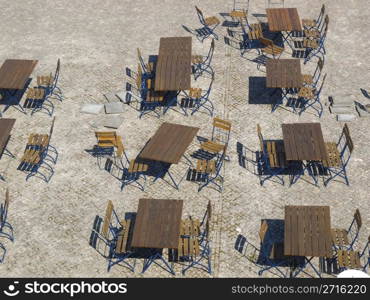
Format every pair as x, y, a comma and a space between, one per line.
304, 141
307, 231
169, 143
173, 71
157, 224
14, 73
283, 73
6, 126
283, 19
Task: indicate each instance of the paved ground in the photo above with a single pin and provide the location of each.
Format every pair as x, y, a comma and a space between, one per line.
95, 40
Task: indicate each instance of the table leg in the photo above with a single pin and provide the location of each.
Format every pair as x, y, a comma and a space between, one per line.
151, 259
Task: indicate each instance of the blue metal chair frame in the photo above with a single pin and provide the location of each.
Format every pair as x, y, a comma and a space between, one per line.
154, 254
3, 219
200, 33
205, 65
307, 103
319, 19
128, 178
355, 226
345, 147
2, 257
320, 50
365, 252
40, 104
211, 178
209, 30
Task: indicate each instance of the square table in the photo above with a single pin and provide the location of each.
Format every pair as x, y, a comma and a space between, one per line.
14, 73
173, 70
169, 143
283, 20
304, 142
307, 233
283, 73
157, 224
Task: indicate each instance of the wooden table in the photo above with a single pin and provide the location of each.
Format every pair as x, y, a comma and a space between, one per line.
304, 141
307, 231
283, 73
283, 19
157, 224
14, 73
169, 143
173, 71
6, 126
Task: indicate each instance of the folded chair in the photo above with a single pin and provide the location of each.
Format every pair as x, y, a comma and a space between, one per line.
194, 243
209, 23
201, 63
197, 99
339, 155
271, 160
343, 238
314, 23
50, 83
3, 219
37, 154
310, 98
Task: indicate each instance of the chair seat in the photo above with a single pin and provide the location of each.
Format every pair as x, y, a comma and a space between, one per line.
153, 96
333, 155
307, 78
136, 167
195, 92
206, 166
31, 156
196, 59
122, 245
40, 140
349, 259
276, 154
312, 33
188, 240
238, 14
339, 237
44, 80
35, 93
273, 50
306, 93
213, 147
308, 23
211, 21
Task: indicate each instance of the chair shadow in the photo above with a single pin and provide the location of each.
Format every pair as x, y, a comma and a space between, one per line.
246, 158
365, 93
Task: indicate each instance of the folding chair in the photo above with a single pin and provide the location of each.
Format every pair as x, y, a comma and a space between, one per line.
38, 100
50, 83
206, 172
194, 243
209, 23
314, 23
194, 100
270, 48
133, 173
36, 154
343, 238
271, 160
202, 64
339, 155
316, 33
312, 80
3, 219
310, 97
107, 141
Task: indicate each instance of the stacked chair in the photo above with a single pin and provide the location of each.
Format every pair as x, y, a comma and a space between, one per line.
37, 156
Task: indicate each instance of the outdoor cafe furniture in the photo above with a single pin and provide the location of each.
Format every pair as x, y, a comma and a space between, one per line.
304, 142
8, 233
209, 23
6, 126
283, 74
14, 74
307, 234
157, 227
167, 146
284, 20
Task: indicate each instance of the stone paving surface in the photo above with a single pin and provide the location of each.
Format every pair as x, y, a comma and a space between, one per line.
95, 41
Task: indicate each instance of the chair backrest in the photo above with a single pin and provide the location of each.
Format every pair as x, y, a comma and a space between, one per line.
317, 74
200, 15
348, 139
263, 230
4, 208
141, 60
51, 128
267, 42
321, 86
345, 143
107, 220
56, 75
221, 130
139, 77
324, 25
210, 52
260, 137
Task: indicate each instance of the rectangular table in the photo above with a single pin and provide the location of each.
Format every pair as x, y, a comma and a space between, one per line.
157, 227
283, 20
14, 73
169, 143
173, 70
157, 224
6, 126
283, 73
304, 142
